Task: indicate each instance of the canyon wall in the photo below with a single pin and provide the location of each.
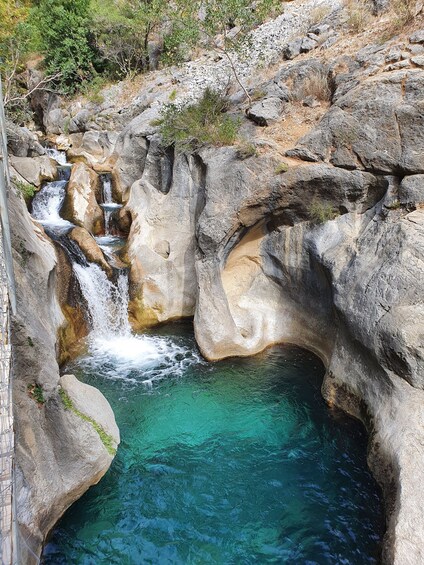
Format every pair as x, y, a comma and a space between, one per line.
244, 250
58, 454
325, 252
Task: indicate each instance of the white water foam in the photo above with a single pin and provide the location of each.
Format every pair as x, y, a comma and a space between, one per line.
58, 156
114, 350
137, 359
47, 203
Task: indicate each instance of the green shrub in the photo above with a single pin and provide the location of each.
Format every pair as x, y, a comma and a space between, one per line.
92, 90
63, 35
246, 150
281, 168
36, 393
27, 190
321, 212
192, 126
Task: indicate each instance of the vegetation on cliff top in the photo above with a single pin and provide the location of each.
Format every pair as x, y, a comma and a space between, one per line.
201, 123
77, 41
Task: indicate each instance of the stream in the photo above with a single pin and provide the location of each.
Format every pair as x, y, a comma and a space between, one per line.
234, 462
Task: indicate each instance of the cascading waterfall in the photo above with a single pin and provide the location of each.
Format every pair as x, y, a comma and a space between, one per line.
108, 205
47, 204
107, 302
111, 340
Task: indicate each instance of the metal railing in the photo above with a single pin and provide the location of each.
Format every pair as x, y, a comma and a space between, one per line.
8, 528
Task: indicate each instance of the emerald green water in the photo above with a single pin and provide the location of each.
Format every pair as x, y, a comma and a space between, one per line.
237, 462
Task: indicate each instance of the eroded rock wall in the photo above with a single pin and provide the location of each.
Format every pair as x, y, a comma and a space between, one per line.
345, 282
58, 454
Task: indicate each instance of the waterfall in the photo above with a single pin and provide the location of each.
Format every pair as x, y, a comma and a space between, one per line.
107, 302
58, 156
107, 188
108, 205
47, 204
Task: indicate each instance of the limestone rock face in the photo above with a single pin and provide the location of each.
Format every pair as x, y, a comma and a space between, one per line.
58, 456
349, 290
131, 151
34, 170
81, 205
266, 272
376, 126
164, 206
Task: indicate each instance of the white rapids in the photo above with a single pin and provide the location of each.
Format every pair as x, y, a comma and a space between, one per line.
47, 204
114, 350
58, 156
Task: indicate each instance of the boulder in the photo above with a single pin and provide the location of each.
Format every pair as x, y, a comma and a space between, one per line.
93, 147
56, 121
292, 50
89, 247
411, 191
308, 43
80, 206
266, 112
90, 401
417, 37
78, 123
21, 142
35, 170
418, 60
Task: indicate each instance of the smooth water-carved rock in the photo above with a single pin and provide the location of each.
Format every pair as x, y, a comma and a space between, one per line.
81, 204
161, 247
94, 148
89, 247
35, 170
90, 402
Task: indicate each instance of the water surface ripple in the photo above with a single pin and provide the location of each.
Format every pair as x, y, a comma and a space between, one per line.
236, 462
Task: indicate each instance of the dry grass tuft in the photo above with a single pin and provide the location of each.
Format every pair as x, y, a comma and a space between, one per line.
318, 14
315, 85
359, 15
